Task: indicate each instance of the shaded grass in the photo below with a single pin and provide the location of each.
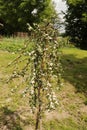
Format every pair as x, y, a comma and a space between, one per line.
74, 62
9, 119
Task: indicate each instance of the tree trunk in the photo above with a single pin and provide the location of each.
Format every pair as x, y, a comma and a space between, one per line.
38, 116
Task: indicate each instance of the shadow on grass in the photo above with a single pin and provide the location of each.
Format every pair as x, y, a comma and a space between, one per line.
9, 120
75, 71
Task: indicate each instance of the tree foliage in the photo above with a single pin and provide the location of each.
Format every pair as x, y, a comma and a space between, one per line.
16, 14
76, 22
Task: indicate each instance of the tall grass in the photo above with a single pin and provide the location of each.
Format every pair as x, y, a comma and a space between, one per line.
12, 44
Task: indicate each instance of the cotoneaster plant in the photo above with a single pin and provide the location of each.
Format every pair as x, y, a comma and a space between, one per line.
42, 69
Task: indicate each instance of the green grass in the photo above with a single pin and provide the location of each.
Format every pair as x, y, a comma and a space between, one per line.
71, 113
68, 124
11, 44
14, 44
75, 68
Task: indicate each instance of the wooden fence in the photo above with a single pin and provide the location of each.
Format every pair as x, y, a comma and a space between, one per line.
20, 34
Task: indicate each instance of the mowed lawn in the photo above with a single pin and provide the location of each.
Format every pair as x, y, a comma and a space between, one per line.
71, 113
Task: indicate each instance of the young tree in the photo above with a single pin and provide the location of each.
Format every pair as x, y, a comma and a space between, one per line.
42, 71
76, 22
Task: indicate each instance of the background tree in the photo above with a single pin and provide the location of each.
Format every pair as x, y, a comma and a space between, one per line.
16, 14
76, 22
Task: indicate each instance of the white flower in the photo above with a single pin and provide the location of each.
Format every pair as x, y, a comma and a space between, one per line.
50, 68
46, 35
32, 91
12, 90
51, 64
48, 84
54, 47
32, 82
61, 84
54, 97
34, 12
56, 102
49, 98
29, 27
52, 105
15, 86
34, 73
29, 54
32, 52
45, 49
50, 38
46, 88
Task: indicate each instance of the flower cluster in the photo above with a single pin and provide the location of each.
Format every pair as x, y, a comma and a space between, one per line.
45, 67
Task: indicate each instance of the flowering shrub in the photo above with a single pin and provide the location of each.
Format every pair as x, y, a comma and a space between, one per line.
43, 67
